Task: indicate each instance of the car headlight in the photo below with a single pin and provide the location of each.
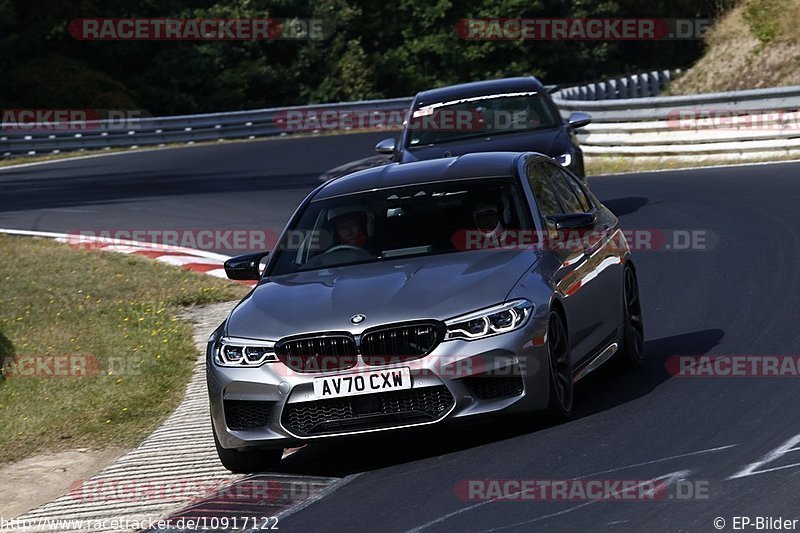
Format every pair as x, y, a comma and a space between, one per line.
565, 159
490, 321
231, 351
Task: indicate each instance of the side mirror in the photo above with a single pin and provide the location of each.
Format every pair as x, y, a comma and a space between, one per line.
573, 220
578, 120
245, 267
386, 146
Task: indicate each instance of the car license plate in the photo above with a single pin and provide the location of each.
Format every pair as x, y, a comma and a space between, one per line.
362, 383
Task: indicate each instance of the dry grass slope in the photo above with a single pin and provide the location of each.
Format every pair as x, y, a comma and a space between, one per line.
755, 45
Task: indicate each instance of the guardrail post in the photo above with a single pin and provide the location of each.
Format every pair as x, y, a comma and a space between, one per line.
602, 91
623, 87
663, 80
644, 85
612, 89
633, 86
654, 88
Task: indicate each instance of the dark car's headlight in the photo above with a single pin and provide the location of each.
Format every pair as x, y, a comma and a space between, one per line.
490, 321
231, 351
565, 159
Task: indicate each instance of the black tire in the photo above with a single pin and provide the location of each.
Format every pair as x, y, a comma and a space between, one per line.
248, 462
631, 353
561, 385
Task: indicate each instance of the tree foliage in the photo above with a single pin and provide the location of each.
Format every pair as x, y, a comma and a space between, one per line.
377, 49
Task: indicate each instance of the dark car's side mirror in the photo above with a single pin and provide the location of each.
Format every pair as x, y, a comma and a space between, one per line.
386, 146
578, 120
572, 220
245, 267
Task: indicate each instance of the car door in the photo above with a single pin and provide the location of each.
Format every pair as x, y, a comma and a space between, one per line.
594, 287
570, 260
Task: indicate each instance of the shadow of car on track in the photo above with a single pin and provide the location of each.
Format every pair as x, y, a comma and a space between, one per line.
599, 391
628, 205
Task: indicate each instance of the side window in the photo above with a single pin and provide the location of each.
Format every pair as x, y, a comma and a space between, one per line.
563, 189
577, 189
543, 192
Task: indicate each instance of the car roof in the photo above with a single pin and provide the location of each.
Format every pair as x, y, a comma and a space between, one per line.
479, 88
474, 165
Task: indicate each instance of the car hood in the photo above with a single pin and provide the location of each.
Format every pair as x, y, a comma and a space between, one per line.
551, 141
355, 166
438, 287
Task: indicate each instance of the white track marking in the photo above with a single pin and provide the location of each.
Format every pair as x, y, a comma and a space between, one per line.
617, 469
65, 237
179, 260
774, 455
670, 478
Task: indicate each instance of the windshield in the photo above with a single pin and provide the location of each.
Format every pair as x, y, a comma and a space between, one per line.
413, 220
478, 116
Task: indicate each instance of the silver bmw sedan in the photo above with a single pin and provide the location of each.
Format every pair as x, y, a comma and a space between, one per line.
420, 294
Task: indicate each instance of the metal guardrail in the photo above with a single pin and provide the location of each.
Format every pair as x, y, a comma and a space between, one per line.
22, 139
634, 86
630, 118
758, 123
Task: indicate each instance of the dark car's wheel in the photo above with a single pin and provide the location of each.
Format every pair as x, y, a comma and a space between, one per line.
561, 386
248, 462
632, 353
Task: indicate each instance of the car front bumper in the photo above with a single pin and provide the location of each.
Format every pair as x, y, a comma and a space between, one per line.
272, 406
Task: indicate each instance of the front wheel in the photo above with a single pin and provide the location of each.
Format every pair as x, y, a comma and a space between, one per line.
561, 385
632, 353
248, 462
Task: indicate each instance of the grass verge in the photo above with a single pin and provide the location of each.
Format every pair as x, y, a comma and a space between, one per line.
94, 353
596, 166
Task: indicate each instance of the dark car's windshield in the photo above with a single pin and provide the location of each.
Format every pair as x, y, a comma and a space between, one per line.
478, 116
412, 220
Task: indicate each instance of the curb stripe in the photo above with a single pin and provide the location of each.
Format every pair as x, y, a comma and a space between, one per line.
198, 261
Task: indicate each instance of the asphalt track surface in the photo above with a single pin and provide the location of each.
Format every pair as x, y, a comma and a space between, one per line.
741, 295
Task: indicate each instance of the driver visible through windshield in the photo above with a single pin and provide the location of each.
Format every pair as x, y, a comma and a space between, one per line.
412, 220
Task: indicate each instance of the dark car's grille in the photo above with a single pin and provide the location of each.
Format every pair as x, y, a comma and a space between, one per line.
394, 344
368, 411
247, 414
489, 387
318, 353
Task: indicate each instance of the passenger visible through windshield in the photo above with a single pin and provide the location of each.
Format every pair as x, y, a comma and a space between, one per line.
412, 220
